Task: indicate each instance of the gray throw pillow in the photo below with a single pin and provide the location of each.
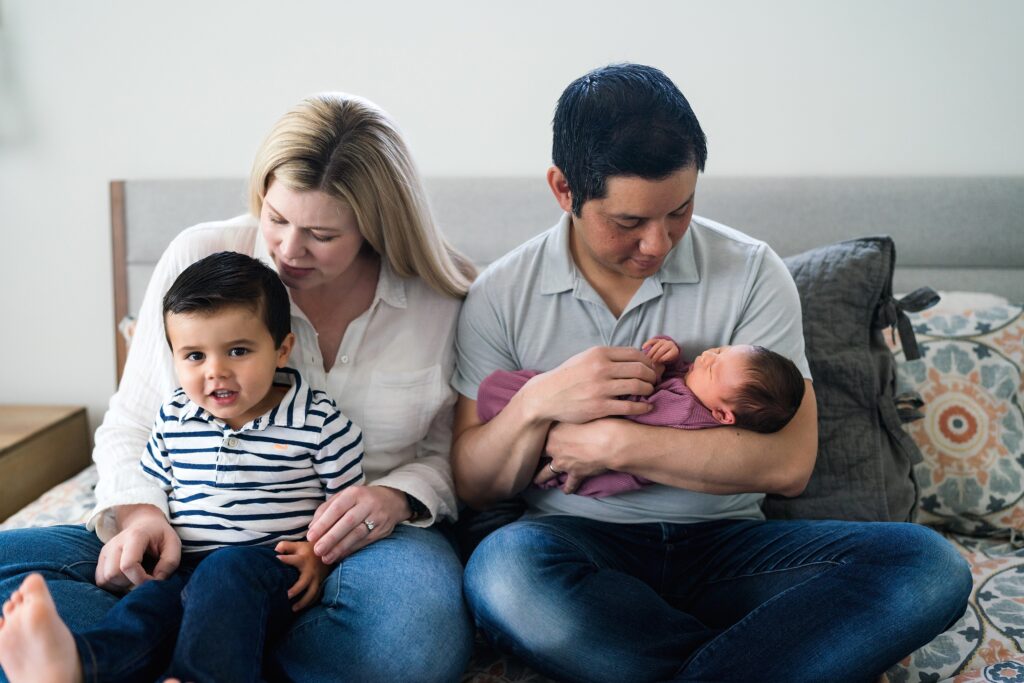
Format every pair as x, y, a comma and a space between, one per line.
865, 460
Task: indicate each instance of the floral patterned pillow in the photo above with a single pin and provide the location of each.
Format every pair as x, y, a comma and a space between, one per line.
971, 377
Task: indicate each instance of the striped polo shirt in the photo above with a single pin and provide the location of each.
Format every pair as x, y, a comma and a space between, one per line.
259, 484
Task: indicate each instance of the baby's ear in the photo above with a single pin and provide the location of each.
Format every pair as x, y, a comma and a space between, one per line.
723, 416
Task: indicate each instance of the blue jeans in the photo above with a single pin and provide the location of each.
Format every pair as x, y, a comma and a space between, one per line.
392, 611
581, 600
217, 611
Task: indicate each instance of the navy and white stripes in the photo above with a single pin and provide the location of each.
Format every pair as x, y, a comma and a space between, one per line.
259, 484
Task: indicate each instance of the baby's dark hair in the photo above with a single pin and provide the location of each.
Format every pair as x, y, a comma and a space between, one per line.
228, 279
772, 393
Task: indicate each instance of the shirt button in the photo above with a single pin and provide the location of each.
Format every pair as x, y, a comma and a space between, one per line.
232, 442
344, 359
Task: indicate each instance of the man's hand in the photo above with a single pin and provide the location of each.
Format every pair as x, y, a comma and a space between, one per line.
589, 386
580, 451
143, 531
312, 571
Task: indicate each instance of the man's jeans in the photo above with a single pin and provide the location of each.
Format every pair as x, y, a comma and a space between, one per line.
792, 601
406, 589
217, 611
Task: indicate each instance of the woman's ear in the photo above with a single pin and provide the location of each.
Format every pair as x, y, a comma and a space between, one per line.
285, 349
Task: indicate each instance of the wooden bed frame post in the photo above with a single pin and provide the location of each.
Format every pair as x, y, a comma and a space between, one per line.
120, 267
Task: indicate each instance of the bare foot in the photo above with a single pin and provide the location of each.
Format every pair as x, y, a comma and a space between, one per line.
35, 645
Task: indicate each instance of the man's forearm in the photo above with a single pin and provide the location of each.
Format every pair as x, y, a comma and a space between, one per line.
723, 460
496, 460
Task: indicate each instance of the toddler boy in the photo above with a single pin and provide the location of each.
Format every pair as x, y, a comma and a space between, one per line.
246, 452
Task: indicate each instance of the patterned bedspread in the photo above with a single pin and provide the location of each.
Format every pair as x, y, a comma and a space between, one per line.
987, 644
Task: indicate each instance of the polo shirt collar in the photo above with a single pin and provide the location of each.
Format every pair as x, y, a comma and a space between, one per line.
558, 272
290, 412
681, 264
557, 267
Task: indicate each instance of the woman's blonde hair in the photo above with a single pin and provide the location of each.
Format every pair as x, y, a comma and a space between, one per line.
350, 149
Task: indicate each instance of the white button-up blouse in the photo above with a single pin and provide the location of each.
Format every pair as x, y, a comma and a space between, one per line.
390, 377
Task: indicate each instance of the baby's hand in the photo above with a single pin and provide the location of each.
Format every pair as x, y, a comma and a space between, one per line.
660, 350
312, 571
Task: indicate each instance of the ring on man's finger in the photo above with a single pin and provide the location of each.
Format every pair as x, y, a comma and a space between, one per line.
551, 467
370, 524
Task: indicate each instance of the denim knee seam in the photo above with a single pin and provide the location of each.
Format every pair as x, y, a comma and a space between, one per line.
564, 537
781, 570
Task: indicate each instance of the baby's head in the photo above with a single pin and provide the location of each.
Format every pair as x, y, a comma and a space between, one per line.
228, 324
748, 386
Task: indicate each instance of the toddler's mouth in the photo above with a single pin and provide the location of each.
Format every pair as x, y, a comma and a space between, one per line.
223, 396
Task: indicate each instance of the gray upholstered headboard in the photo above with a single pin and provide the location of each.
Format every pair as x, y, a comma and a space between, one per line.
950, 233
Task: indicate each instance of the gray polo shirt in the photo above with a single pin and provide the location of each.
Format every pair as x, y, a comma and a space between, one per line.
533, 309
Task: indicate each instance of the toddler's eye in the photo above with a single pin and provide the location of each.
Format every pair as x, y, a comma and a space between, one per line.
194, 356
238, 351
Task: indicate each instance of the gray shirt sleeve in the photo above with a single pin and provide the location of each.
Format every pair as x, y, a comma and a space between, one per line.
482, 343
772, 315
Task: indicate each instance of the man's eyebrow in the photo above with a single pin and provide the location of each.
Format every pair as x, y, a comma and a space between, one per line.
632, 217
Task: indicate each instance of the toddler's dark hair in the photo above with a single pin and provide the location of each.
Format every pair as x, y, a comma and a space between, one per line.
229, 279
772, 394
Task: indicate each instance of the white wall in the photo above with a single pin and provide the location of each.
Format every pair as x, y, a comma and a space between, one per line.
91, 91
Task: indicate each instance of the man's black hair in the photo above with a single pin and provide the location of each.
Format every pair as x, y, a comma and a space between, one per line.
228, 279
623, 120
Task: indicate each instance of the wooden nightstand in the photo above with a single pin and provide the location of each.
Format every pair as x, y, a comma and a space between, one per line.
40, 446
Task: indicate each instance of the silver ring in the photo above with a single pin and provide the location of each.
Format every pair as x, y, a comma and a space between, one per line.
369, 524
554, 470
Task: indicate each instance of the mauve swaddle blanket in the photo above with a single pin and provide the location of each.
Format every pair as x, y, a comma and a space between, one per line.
674, 405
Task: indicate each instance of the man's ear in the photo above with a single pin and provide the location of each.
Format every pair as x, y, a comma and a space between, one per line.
285, 349
723, 416
560, 188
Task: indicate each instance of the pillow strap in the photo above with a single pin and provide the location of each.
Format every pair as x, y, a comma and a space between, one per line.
894, 313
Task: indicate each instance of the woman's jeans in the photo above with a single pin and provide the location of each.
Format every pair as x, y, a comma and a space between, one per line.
216, 611
581, 600
391, 611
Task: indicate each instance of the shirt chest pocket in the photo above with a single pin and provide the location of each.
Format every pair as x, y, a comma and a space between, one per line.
400, 406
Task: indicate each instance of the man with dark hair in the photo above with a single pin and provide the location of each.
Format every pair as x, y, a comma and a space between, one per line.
683, 579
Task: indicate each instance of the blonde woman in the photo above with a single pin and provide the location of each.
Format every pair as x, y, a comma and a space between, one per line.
338, 209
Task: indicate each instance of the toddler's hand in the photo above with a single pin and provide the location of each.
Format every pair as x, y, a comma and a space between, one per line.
312, 571
661, 350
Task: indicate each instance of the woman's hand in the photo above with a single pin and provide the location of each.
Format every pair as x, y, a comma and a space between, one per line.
312, 571
144, 531
342, 523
